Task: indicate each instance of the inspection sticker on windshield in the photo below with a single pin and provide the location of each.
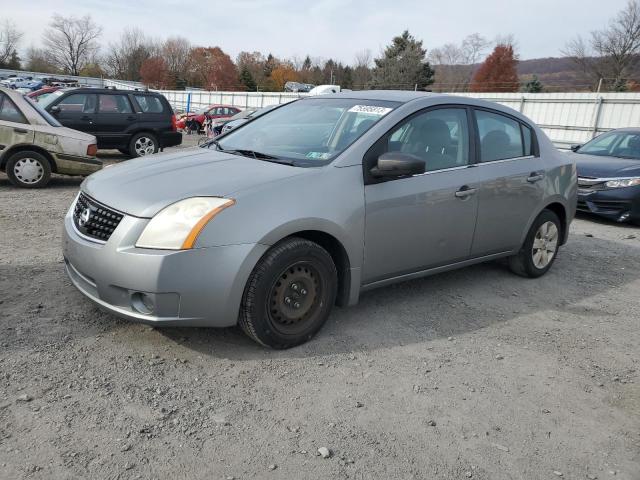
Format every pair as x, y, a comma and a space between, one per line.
318, 155
370, 109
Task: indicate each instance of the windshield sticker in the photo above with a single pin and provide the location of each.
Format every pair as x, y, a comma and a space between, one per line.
370, 109
318, 155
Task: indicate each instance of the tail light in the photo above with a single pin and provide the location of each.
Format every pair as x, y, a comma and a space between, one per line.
174, 127
92, 150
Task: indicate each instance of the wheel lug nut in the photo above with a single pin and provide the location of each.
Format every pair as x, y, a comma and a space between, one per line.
294, 287
296, 305
287, 300
303, 291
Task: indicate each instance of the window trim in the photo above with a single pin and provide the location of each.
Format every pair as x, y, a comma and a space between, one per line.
471, 133
81, 112
534, 138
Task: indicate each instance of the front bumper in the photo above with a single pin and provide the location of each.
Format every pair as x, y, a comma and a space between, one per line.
198, 287
612, 204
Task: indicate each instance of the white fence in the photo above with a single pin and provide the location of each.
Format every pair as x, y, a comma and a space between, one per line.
567, 118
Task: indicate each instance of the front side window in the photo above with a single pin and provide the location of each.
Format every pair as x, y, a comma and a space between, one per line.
114, 104
307, 132
78, 103
9, 112
439, 137
500, 137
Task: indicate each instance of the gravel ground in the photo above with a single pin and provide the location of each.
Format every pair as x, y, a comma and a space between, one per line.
468, 374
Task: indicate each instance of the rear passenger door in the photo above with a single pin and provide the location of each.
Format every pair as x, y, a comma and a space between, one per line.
511, 178
114, 120
14, 127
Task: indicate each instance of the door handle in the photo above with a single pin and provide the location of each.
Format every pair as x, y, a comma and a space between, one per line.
21, 130
131, 118
85, 117
465, 192
535, 177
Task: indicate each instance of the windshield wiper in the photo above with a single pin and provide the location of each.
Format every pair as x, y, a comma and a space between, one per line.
253, 154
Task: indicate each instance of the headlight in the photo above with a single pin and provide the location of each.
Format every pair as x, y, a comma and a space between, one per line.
623, 182
177, 226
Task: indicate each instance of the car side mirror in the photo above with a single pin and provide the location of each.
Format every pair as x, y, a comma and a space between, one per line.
575, 148
397, 164
55, 109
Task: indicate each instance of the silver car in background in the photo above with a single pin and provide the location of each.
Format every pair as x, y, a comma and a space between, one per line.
313, 203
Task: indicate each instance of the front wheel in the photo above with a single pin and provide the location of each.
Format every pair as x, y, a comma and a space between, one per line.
289, 295
143, 144
28, 169
540, 247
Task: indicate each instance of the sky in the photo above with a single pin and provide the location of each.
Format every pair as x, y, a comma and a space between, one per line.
326, 28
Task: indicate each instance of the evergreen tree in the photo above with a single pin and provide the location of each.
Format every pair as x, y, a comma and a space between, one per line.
403, 65
247, 80
533, 86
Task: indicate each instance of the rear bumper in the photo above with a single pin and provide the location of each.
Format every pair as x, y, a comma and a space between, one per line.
199, 287
170, 139
612, 204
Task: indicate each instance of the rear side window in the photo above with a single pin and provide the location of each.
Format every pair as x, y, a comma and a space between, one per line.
114, 104
9, 112
501, 137
149, 104
78, 103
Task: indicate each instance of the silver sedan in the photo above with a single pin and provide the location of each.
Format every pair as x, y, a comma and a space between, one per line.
311, 204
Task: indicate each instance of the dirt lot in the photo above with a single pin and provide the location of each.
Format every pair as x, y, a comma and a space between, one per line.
469, 374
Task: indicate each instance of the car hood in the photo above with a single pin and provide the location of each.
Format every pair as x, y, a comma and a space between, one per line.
144, 186
605, 167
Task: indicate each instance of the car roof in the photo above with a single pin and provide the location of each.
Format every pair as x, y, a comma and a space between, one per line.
402, 96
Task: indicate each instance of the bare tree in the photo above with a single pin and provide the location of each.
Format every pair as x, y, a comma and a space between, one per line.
454, 63
362, 68
9, 39
125, 58
176, 52
71, 42
611, 53
37, 60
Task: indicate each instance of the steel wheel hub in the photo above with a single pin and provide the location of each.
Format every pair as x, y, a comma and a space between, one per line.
545, 244
28, 170
144, 146
293, 296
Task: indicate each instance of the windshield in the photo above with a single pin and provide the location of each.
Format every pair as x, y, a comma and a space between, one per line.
307, 132
43, 113
49, 99
614, 144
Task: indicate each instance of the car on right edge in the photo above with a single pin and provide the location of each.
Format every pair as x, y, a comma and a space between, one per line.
609, 175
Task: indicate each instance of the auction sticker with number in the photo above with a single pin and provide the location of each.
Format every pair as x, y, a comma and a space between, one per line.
370, 109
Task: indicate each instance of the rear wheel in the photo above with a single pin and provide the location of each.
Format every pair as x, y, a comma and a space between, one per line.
143, 144
289, 295
28, 169
540, 247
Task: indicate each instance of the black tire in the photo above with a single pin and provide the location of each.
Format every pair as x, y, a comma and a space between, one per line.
281, 313
525, 263
37, 164
124, 151
143, 141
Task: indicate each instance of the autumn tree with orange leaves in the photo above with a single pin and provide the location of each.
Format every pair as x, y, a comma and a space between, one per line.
498, 73
213, 69
154, 72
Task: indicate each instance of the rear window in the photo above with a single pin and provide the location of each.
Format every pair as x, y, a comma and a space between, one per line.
9, 112
112, 103
149, 104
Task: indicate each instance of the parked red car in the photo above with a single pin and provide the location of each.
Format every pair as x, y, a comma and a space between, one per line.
196, 119
43, 92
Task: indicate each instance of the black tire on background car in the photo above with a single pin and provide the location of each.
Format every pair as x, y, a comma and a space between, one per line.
289, 294
142, 144
28, 169
540, 247
124, 151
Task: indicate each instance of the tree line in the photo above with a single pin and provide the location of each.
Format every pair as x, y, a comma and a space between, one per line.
71, 45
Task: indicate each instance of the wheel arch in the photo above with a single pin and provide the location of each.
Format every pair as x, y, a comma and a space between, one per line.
26, 148
560, 210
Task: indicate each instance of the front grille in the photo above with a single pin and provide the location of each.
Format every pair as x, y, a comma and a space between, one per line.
93, 219
589, 184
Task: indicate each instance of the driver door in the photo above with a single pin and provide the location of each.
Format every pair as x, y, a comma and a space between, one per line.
427, 220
